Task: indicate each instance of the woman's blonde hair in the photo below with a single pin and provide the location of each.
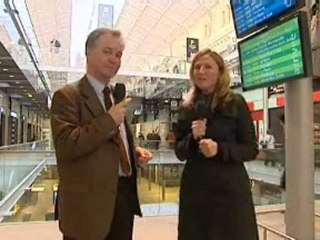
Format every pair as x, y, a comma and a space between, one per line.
222, 93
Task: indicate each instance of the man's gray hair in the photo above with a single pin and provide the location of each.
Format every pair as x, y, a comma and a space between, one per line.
96, 34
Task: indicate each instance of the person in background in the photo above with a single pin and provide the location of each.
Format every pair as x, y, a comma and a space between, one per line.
157, 140
268, 141
171, 138
96, 156
141, 139
141, 136
315, 37
150, 140
283, 176
215, 194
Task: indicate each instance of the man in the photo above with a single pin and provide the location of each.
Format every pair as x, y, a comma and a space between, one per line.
269, 140
283, 176
96, 157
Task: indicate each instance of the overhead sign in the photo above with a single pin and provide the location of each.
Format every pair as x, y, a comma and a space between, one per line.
252, 15
276, 55
192, 48
105, 15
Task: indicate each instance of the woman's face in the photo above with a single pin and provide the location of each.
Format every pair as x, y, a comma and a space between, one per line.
205, 74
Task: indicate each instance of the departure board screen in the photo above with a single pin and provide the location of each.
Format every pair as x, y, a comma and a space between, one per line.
251, 15
273, 56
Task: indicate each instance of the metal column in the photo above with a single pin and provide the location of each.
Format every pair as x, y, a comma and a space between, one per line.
265, 113
6, 126
299, 214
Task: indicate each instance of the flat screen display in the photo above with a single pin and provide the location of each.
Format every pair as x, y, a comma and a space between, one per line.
251, 15
275, 55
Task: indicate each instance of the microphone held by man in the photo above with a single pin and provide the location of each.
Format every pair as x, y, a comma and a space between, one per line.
121, 101
118, 110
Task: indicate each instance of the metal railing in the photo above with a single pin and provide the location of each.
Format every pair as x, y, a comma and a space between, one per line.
158, 177
35, 145
14, 195
266, 229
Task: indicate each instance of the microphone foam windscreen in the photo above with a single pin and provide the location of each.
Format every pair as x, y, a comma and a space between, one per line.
200, 110
119, 92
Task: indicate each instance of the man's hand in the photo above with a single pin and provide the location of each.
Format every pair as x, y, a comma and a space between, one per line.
118, 111
208, 147
144, 156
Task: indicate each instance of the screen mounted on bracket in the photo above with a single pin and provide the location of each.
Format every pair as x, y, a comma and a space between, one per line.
251, 15
277, 54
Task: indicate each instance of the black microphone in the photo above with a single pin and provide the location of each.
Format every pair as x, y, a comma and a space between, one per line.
200, 112
119, 92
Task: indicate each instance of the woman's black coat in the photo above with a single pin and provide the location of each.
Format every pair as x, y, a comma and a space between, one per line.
215, 194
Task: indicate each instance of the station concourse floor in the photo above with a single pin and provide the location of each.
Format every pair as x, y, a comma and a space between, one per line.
159, 223
147, 228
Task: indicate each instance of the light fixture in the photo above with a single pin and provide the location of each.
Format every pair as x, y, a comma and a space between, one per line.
20, 42
26, 103
55, 45
15, 95
5, 69
13, 114
4, 85
11, 76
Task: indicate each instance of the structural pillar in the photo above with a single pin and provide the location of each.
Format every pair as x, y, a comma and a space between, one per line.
299, 142
265, 112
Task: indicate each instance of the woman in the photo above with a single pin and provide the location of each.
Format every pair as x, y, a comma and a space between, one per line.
215, 195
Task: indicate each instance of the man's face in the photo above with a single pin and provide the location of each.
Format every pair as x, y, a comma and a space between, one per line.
104, 59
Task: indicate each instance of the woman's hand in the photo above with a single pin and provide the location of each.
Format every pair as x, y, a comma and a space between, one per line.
208, 147
199, 129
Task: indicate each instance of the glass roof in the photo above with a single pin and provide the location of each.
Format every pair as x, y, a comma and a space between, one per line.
57, 30
149, 28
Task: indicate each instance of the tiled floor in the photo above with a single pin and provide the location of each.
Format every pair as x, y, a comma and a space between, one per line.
147, 228
164, 209
160, 221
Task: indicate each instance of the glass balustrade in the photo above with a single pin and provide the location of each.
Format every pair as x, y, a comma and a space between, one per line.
29, 180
